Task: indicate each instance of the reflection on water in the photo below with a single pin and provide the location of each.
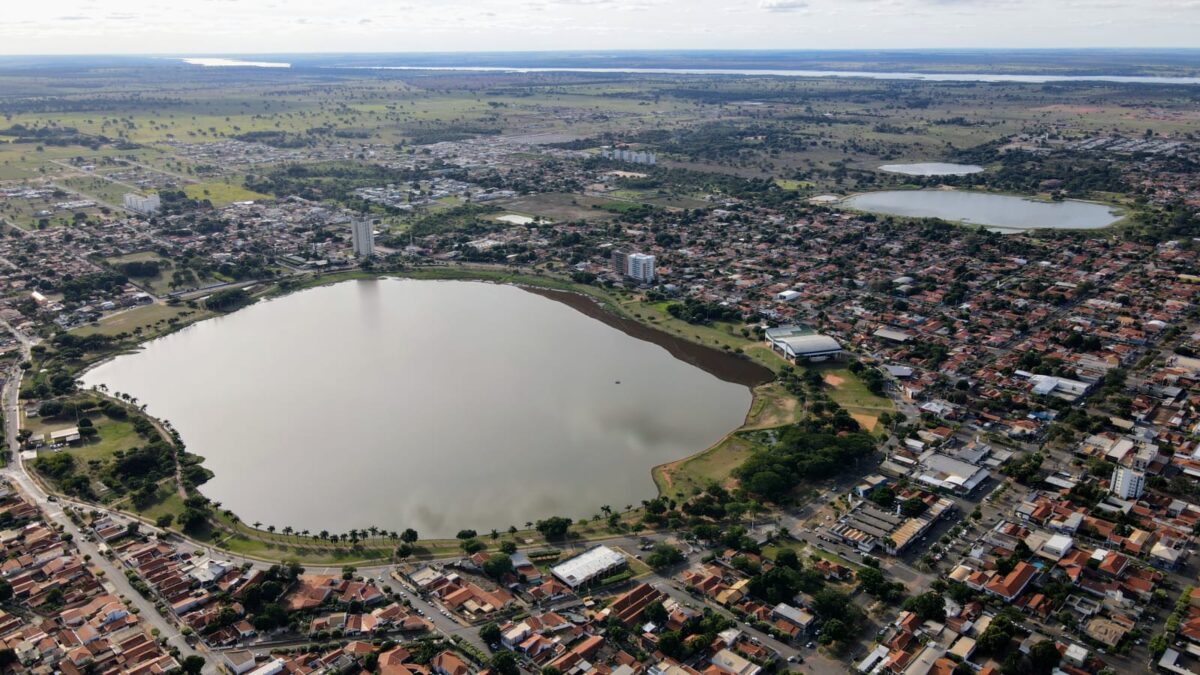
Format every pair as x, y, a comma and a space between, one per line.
433, 405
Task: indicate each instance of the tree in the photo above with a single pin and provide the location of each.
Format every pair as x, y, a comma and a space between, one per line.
164, 521
490, 633
664, 556
555, 527
6, 591
913, 507
1157, 645
508, 547
829, 604
995, 640
787, 558
929, 606
408, 536
497, 566
1044, 657
505, 663
466, 534
834, 630
193, 664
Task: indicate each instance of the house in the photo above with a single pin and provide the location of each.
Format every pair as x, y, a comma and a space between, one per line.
447, 663
238, 662
730, 662
798, 618
1011, 585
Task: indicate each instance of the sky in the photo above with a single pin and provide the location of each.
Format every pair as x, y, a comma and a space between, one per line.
296, 26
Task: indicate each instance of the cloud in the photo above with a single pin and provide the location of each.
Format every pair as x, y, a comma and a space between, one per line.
783, 5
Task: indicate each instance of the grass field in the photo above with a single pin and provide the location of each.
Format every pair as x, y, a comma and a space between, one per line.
145, 321
556, 206
222, 193
90, 455
158, 285
683, 478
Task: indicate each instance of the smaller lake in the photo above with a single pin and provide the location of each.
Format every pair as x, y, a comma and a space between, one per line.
932, 169
1001, 212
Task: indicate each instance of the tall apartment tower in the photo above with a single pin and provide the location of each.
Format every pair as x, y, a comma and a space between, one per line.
147, 206
1127, 483
641, 267
620, 262
362, 237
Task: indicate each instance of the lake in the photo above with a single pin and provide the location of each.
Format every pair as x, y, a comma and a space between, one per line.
932, 169
1001, 212
437, 405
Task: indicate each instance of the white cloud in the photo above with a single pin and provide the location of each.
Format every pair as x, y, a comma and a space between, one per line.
783, 5
266, 26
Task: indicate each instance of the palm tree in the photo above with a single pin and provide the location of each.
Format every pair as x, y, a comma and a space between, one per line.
257, 524
287, 530
271, 529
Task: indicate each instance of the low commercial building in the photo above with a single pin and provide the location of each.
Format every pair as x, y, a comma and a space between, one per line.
595, 563
947, 473
794, 616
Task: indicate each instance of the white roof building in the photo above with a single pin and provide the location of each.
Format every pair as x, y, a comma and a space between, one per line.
942, 471
796, 342
589, 565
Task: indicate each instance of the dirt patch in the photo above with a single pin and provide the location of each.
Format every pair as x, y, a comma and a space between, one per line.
833, 380
724, 365
867, 422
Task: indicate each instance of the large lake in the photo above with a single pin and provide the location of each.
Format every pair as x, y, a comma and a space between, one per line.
932, 169
437, 405
1001, 212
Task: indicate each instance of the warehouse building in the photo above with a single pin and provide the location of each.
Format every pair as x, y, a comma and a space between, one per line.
594, 563
803, 344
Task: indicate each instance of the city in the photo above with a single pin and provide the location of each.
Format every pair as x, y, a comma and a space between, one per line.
661, 363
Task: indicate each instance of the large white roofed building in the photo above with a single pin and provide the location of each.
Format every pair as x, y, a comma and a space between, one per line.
592, 564
803, 344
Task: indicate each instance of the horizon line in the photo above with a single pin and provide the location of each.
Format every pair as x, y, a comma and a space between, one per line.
631, 50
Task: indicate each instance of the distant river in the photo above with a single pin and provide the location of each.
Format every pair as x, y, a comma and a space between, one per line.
438, 405
927, 77
1001, 212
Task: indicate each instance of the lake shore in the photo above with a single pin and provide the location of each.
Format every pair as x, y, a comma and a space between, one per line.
239, 538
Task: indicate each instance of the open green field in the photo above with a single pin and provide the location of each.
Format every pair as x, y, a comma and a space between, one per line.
145, 321
560, 206
686, 477
158, 285
91, 455
222, 193
39, 213
98, 188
